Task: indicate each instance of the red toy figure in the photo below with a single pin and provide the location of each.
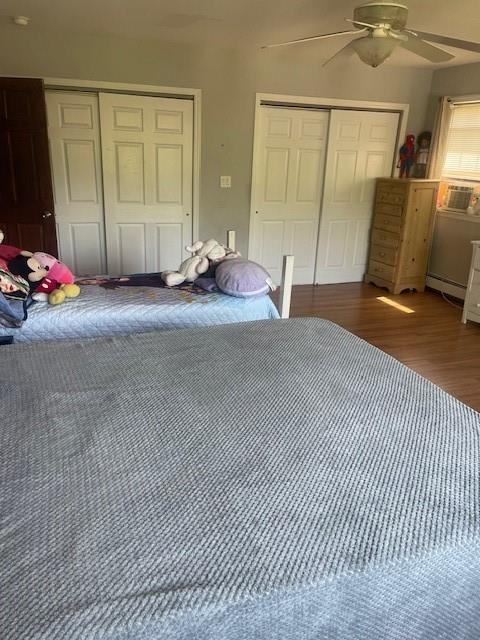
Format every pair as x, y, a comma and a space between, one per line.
407, 156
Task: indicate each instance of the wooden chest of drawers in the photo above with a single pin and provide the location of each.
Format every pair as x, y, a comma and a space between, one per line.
401, 233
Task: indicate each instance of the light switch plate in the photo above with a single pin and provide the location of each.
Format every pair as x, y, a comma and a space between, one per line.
225, 182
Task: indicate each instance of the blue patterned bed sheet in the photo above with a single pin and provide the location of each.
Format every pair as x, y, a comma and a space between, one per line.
100, 312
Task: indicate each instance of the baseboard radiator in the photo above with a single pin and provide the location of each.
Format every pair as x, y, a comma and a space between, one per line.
451, 253
446, 286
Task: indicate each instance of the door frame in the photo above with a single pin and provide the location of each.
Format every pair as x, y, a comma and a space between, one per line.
97, 86
313, 102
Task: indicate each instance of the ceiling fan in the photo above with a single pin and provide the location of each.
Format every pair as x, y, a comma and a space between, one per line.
384, 27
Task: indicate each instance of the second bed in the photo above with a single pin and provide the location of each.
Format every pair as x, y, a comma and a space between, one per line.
140, 304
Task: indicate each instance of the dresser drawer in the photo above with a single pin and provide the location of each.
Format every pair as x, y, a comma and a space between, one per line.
472, 301
388, 209
476, 259
383, 254
474, 308
387, 223
386, 238
391, 195
381, 270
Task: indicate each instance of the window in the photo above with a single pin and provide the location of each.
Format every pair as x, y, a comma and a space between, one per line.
462, 158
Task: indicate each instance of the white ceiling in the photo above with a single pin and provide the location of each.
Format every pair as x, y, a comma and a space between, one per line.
243, 23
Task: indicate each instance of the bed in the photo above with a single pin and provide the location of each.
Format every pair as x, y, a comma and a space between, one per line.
262, 480
102, 310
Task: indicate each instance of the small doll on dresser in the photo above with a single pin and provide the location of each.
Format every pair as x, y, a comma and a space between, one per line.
423, 149
407, 156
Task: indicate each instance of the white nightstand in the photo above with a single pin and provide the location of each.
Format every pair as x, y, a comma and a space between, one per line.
471, 307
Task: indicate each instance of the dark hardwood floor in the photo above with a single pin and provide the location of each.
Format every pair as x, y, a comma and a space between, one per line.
432, 340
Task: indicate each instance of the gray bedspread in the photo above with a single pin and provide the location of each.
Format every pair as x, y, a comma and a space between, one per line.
266, 480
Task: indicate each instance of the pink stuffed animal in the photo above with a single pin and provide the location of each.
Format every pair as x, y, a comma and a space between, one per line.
56, 270
59, 284
49, 279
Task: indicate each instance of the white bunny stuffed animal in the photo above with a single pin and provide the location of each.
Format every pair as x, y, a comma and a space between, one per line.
193, 267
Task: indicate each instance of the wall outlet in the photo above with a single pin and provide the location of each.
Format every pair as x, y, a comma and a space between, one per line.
225, 182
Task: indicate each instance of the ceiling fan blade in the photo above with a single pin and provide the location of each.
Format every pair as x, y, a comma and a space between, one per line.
398, 34
364, 24
450, 42
320, 37
425, 50
347, 49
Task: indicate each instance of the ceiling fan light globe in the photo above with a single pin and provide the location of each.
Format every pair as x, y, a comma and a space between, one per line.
374, 51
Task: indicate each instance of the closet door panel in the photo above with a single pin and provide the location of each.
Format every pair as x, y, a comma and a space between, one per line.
169, 243
82, 244
131, 246
361, 148
74, 136
287, 188
129, 173
147, 147
271, 234
169, 174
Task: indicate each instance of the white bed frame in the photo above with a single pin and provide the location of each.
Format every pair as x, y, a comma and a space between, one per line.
287, 278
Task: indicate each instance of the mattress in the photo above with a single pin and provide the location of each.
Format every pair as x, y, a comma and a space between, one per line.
263, 480
105, 312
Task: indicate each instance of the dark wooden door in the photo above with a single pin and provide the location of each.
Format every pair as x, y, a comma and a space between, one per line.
26, 196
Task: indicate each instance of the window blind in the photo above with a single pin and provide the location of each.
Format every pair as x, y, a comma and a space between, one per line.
462, 158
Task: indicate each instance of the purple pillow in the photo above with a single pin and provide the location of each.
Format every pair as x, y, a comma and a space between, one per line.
242, 278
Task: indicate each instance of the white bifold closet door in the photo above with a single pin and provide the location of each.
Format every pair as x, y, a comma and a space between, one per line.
313, 189
361, 147
74, 135
287, 187
147, 145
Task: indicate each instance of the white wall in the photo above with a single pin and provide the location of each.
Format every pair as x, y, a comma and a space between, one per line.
462, 80
453, 81
229, 79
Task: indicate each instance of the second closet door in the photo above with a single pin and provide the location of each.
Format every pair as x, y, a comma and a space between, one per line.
287, 188
147, 146
361, 148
